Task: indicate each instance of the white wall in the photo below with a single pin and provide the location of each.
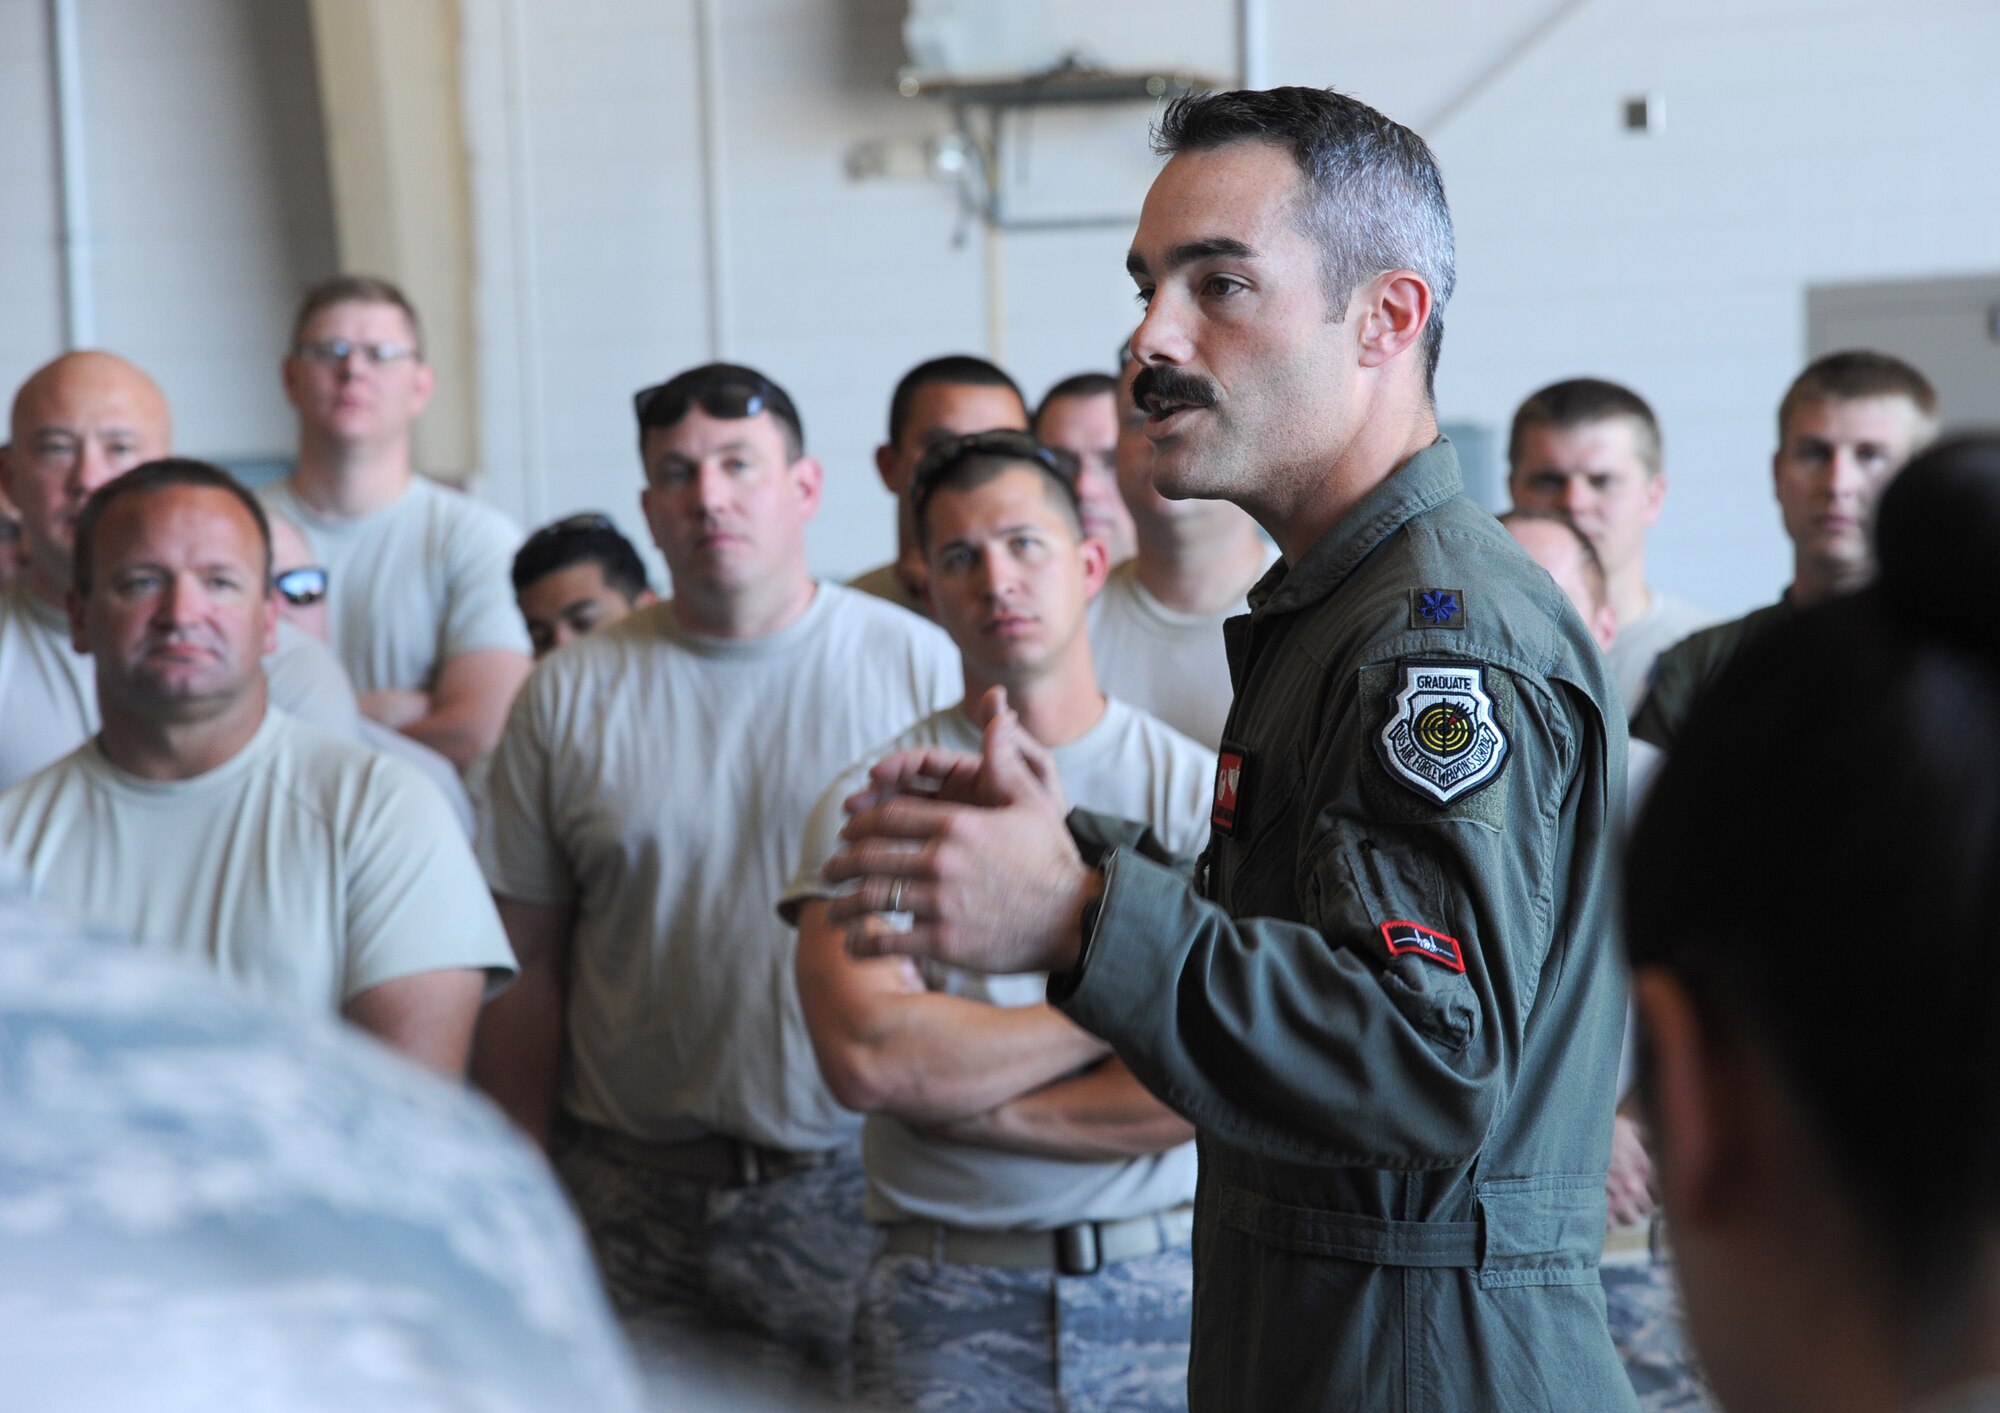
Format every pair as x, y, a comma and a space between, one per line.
1806, 141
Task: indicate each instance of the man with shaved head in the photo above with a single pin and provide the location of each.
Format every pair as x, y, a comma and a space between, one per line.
79, 422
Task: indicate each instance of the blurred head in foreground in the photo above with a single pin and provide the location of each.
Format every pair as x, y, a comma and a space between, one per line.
1811, 903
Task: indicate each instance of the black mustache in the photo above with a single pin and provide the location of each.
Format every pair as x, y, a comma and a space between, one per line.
1172, 385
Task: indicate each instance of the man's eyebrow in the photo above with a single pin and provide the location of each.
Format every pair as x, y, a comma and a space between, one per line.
1215, 247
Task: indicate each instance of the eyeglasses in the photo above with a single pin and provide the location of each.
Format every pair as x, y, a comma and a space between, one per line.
335, 351
301, 587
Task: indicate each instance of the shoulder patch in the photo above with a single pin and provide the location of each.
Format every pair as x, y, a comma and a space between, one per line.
1437, 608
1441, 738
1403, 937
1231, 762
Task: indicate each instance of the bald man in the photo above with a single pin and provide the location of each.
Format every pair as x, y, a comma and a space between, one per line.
83, 420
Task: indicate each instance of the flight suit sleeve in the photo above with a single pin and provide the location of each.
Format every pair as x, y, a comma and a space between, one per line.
1384, 1026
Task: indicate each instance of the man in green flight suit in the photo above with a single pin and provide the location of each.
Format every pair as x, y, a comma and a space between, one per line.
1389, 1000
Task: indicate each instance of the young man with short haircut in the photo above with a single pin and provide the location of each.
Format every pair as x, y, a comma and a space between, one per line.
201, 819
422, 617
1591, 449
935, 401
1079, 416
1846, 426
1156, 629
646, 803
576, 576
1036, 1197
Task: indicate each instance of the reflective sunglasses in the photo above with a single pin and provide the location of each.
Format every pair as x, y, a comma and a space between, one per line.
1013, 445
301, 587
332, 352
726, 395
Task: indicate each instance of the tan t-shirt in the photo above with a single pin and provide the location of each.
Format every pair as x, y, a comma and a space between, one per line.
48, 690
660, 781
421, 581
306, 868
1167, 663
1639, 644
1131, 766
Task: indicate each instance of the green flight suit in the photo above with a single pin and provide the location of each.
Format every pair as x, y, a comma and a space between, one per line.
1685, 671
1393, 1018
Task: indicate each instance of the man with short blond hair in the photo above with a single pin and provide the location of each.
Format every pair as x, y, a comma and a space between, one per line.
1846, 426
422, 616
202, 819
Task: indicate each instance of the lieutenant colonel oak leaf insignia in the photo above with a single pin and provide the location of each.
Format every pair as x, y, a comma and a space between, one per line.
1437, 608
1441, 739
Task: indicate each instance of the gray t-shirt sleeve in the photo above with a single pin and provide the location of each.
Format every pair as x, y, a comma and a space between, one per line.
519, 848
415, 898
307, 683
479, 609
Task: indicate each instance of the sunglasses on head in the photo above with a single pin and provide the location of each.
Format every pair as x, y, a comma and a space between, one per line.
725, 395
1014, 445
301, 587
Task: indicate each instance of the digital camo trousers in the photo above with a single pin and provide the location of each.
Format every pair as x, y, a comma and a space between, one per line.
1643, 1306
950, 1338
764, 1275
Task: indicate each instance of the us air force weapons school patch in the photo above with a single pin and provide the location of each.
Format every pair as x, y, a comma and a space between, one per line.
1441, 738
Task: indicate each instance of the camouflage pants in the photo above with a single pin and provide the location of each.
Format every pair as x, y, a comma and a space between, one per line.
761, 1278
949, 1338
1644, 1310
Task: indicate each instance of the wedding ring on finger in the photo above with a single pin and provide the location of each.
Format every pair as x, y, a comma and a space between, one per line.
896, 896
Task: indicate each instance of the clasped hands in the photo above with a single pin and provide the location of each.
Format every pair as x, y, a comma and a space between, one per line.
975, 849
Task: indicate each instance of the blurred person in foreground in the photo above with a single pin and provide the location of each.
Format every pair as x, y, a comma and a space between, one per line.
212, 1202
1079, 415
1820, 1058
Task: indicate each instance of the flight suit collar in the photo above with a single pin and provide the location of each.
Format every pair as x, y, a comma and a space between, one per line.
1424, 482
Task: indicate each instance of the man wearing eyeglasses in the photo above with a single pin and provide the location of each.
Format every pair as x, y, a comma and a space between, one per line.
646, 804
422, 617
78, 422
1036, 1198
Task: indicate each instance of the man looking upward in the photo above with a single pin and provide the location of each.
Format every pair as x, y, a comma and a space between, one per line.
422, 617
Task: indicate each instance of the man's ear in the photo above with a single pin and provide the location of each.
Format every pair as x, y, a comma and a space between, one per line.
424, 383
809, 478
1604, 626
1096, 565
885, 467
1393, 309
1656, 497
271, 620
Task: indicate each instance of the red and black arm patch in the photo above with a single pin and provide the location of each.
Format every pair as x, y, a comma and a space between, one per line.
1413, 937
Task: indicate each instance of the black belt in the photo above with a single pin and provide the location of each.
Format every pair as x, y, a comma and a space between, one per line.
1079, 1249
714, 1158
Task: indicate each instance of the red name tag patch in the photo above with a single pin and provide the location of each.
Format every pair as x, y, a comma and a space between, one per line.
1229, 765
1425, 942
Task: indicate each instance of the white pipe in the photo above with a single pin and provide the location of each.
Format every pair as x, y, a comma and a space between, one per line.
714, 193
1251, 50
533, 487
79, 284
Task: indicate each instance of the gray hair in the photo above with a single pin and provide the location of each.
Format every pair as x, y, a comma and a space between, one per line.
1376, 198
